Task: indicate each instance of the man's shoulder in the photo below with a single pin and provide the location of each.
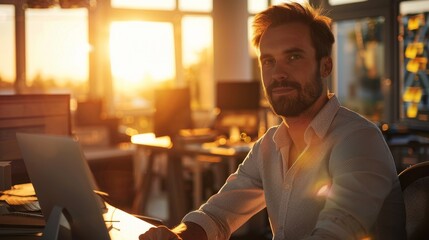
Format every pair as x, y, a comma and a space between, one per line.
347, 122
351, 118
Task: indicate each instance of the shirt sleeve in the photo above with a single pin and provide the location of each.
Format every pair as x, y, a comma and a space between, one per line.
240, 198
363, 174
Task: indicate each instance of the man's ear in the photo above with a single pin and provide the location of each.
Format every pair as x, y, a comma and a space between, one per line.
325, 66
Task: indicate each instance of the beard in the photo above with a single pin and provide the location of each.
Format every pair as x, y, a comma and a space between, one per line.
294, 104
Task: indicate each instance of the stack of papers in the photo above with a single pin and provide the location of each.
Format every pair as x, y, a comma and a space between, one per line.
21, 197
20, 212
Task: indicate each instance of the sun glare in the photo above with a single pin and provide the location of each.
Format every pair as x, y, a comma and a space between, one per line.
193, 46
58, 37
142, 53
7, 64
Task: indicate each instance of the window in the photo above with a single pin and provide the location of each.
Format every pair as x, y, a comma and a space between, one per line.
195, 5
138, 45
142, 58
57, 51
276, 2
145, 4
7, 49
255, 6
158, 45
341, 2
198, 59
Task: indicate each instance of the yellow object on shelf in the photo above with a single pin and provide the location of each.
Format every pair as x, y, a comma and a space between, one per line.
414, 49
412, 94
412, 110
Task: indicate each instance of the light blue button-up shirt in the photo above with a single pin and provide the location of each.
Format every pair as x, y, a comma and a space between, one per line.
344, 185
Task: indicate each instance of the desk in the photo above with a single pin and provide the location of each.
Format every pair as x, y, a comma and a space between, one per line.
112, 168
130, 225
175, 184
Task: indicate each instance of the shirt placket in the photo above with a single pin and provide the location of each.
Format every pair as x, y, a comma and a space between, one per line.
289, 176
286, 192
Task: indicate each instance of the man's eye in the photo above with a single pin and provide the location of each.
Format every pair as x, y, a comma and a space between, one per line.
294, 57
268, 62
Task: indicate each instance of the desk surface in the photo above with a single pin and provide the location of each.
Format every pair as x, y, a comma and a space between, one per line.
153, 143
98, 153
124, 225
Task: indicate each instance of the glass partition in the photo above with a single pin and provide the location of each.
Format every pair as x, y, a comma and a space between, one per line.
359, 65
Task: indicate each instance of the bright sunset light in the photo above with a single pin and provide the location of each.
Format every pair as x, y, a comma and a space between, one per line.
57, 45
7, 64
142, 53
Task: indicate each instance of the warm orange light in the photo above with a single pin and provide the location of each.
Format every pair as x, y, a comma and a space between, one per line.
142, 53
151, 140
323, 191
385, 127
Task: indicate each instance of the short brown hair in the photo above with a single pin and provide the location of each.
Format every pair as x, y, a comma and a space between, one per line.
319, 24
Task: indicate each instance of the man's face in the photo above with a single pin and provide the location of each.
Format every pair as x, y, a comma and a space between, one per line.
291, 75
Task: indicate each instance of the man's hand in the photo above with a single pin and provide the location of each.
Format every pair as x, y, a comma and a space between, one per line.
183, 231
159, 233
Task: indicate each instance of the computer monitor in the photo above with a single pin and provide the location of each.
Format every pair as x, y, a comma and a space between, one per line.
239, 105
238, 95
30, 113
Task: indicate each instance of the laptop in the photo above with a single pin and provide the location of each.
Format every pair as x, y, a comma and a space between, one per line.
62, 179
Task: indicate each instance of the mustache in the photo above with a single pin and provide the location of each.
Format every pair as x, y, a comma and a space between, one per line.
283, 83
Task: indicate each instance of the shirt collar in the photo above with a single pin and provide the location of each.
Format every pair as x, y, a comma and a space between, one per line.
281, 136
319, 125
323, 120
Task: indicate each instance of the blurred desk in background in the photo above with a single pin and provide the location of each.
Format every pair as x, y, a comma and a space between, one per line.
408, 150
113, 168
149, 146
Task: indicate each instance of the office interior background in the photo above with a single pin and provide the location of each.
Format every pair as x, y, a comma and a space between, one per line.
115, 54
120, 51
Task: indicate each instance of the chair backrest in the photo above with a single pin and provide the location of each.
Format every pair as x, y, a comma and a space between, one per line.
172, 111
415, 186
89, 112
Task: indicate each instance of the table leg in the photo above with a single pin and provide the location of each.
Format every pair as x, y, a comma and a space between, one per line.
144, 187
198, 186
176, 190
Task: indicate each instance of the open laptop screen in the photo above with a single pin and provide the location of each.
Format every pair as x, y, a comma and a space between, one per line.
61, 177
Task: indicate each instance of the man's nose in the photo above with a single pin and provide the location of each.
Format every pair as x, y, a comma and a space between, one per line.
280, 73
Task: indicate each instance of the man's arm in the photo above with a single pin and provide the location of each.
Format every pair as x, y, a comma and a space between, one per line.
363, 174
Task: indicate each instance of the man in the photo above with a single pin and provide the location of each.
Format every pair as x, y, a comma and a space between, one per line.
325, 172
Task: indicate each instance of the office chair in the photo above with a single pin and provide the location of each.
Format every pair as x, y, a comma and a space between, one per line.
415, 187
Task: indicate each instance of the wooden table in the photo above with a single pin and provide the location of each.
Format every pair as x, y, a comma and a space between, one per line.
175, 184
